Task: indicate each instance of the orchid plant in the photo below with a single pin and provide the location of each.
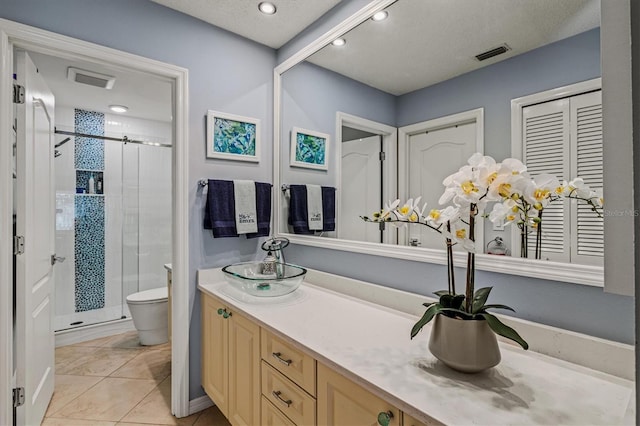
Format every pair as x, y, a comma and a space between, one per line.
518, 199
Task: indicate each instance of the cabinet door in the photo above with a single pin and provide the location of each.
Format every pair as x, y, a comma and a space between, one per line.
215, 355
342, 402
244, 371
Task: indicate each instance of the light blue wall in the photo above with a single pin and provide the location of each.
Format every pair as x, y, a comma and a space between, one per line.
575, 307
565, 62
310, 98
226, 73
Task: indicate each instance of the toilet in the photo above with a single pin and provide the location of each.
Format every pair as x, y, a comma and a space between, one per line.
149, 310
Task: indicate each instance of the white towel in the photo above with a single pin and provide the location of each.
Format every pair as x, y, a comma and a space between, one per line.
244, 192
314, 207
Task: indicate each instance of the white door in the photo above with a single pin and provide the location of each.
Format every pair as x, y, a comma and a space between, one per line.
35, 222
361, 189
433, 156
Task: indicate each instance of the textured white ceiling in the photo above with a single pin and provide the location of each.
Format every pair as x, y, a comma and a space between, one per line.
424, 42
147, 97
243, 17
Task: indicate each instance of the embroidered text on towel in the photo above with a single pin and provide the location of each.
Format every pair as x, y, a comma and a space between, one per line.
244, 192
314, 207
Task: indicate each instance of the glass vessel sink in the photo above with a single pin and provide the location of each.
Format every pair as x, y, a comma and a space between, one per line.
249, 278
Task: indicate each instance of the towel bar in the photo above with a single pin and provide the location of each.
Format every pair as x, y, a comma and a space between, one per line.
203, 182
284, 187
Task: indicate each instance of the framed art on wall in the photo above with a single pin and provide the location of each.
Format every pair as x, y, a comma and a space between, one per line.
309, 149
233, 137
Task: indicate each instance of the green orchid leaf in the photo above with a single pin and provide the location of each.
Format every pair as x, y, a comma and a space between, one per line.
426, 317
427, 304
498, 306
480, 298
456, 312
504, 330
457, 301
446, 300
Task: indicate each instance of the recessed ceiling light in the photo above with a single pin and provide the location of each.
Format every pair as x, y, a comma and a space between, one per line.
118, 108
380, 16
338, 42
267, 8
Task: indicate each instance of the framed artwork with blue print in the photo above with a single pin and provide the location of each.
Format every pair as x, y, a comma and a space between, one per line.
233, 137
309, 149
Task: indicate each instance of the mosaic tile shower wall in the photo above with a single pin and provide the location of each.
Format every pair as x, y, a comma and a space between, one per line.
89, 151
89, 250
89, 215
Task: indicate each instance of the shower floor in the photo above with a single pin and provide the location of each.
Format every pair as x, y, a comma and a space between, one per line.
96, 316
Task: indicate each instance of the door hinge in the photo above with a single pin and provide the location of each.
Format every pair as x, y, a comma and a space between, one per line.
383, 156
18, 244
18, 94
18, 397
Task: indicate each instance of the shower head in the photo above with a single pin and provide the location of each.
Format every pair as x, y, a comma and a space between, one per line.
57, 153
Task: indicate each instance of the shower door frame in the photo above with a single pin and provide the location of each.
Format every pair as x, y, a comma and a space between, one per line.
14, 35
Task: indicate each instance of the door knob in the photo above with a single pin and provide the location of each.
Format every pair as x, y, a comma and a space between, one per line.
56, 259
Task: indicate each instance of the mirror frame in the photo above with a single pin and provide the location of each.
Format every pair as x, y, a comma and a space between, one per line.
554, 271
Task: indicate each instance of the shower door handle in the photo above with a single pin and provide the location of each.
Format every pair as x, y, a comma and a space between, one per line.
56, 259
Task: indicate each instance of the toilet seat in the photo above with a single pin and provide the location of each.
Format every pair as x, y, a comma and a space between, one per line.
154, 295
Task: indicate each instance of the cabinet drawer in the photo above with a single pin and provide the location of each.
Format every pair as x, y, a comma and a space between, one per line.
271, 416
294, 402
291, 362
408, 420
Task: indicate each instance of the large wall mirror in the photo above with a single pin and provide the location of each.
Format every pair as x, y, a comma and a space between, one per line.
407, 99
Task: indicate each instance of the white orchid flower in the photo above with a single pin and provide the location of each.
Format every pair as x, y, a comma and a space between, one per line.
512, 166
505, 212
437, 217
460, 234
596, 198
388, 208
539, 191
463, 187
578, 188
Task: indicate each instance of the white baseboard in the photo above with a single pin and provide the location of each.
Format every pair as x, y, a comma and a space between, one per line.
95, 331
199, 404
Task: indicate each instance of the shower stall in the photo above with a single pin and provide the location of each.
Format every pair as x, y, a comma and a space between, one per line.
113, 213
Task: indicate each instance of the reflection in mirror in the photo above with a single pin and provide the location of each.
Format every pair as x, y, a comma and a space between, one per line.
412, 69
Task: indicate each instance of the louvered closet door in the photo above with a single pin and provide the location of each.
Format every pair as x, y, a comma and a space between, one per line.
546, 136
587, 238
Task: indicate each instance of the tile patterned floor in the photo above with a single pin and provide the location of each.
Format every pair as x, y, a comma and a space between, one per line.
115, 381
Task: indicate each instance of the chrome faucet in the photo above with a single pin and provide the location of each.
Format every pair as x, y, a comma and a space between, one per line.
274, 246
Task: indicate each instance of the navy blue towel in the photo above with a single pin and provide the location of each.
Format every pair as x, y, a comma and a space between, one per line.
220, 210
298, 209
328, 208
298, 217
263, 210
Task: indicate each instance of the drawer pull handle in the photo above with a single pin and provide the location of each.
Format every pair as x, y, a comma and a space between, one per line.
384, 418
281, 399
278, 356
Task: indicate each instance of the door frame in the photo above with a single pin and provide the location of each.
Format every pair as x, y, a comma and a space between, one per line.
405, 132
15, 35
389, 169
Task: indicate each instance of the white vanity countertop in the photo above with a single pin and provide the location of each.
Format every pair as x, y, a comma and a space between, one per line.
370, 344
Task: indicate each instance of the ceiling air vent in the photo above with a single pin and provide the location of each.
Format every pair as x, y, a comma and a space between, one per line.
91, 78
493, 52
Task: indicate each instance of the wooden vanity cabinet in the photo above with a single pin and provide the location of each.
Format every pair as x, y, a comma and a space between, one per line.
343, 402
231, 362
255, 377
